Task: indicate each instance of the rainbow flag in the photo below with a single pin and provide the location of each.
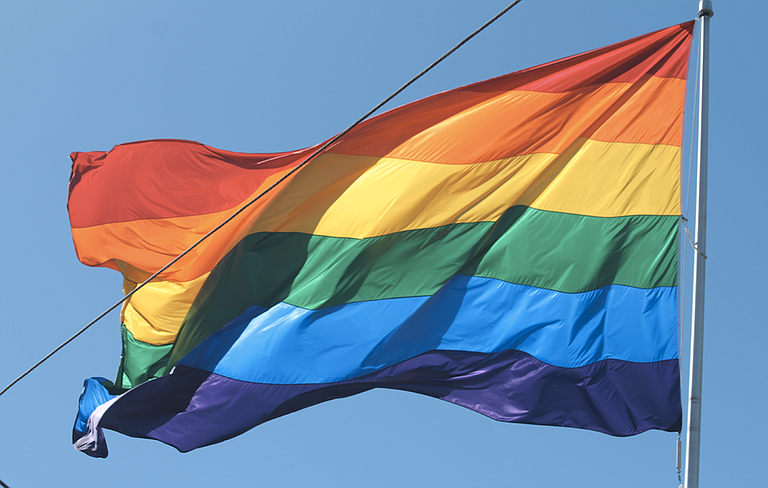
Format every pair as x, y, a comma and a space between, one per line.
509, 246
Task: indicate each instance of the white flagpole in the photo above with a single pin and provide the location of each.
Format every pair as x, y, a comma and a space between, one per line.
697, 318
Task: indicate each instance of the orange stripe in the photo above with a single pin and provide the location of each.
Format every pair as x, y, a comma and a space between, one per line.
638, 119
150, 244
522, 122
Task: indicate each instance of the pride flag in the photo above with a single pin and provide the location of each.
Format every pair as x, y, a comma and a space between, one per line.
509, 246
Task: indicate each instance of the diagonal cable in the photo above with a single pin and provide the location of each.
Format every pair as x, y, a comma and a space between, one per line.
255, 199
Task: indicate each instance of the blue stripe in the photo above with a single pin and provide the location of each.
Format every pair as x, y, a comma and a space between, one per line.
291, 345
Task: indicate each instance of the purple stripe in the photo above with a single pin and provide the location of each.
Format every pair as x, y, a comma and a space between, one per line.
193, 408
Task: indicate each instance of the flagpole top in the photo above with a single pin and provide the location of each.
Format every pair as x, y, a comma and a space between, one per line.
705, 8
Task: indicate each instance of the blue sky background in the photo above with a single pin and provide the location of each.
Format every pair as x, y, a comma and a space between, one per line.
257, 76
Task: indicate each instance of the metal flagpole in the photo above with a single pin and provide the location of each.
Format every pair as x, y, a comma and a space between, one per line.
697, 318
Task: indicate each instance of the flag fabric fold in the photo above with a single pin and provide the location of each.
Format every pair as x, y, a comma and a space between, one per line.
508, 246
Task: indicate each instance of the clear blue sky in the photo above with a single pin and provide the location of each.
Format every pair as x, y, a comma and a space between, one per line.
257, 76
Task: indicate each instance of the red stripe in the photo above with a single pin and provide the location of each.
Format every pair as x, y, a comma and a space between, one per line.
661, 54
142, 180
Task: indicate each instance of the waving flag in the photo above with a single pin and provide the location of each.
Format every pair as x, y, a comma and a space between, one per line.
509, 246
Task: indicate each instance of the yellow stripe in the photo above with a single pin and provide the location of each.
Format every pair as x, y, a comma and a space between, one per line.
357, 196
610, 179
150, 244
154, 314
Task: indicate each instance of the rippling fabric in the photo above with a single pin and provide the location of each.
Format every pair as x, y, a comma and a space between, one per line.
509, 246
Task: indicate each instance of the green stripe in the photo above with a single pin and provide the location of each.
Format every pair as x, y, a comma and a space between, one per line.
557, 251
140, 361
575, 253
